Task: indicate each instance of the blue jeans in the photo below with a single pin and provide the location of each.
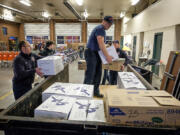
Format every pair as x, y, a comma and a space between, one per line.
113, 77
106, 76
94, 69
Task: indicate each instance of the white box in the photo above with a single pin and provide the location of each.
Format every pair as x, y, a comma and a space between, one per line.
55, 107
111, 51
57, 88
51, 65
79, 110
127, 80
96, 111
83, 91
126, 75
79, 91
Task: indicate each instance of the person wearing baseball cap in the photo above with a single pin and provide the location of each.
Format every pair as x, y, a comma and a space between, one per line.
122, 54
96, 43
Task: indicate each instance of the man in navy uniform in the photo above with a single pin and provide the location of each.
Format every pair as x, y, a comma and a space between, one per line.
24, 67
96, 43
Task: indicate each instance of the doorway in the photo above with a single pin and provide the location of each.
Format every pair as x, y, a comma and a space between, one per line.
157, 51
134, 48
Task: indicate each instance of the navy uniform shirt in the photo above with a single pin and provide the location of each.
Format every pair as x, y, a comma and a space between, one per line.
122, 54
92, 42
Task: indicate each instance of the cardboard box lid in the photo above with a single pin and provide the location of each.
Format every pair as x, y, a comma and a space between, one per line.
115, 99
144, 93
167, 101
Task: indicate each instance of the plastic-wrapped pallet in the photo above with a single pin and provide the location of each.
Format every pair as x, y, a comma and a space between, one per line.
127, 80
51, 65
96, 111
55, 107
80, 91
79, 110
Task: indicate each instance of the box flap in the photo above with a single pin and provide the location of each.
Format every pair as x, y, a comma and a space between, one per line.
116, 99
156, 93
167, 101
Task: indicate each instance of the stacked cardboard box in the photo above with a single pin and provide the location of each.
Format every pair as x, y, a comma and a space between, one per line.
115, 65
127, 80
55, 107
80, 91
51, 65
142, 108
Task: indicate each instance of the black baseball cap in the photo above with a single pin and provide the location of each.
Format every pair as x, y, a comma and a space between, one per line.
116, 42
108, 19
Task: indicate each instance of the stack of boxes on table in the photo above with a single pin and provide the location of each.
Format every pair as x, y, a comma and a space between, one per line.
72, 102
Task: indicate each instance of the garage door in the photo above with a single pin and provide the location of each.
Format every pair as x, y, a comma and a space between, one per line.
68, 33
36, 32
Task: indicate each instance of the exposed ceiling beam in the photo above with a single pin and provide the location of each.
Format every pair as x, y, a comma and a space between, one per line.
68, 5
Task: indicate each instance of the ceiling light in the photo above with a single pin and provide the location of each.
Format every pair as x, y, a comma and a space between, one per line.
134, 2
26, 2
7, 14
45, 14
85, 14
122, 14
79, 2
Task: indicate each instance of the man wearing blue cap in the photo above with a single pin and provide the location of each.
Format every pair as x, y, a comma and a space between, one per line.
93, 61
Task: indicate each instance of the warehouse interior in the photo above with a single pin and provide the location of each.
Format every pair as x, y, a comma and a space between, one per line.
148, 31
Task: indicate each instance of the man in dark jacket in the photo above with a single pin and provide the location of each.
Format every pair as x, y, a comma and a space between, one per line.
24, 67
48, 50
113, 74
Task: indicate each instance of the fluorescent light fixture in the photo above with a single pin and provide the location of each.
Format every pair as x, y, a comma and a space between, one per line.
45, 14
26, 2
79, 2
122, 14
134, 2
7, 14
85, 14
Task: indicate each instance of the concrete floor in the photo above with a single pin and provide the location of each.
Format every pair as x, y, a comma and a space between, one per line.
6, 74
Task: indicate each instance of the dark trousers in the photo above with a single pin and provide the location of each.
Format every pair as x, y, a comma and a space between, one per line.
113, 77
105, 77
20, 90
81, 54
94, 69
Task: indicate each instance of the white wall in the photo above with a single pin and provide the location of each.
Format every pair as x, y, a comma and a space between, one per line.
163, 16
165, 13
168, 42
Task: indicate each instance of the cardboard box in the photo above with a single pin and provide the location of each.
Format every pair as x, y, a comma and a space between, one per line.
111, 51
138, 108
79, 110
115, 66
128, 80
81, 65
79, 91
55, 107
51, 65
96, 111
75, 46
